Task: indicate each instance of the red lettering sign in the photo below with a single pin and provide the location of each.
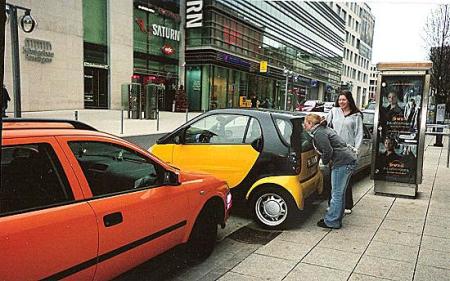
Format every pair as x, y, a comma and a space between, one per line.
140, 22
167, 50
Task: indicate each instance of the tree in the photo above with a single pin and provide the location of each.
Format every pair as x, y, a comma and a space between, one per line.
437, 39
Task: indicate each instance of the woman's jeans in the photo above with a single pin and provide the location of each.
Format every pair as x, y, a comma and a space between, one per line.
340, 177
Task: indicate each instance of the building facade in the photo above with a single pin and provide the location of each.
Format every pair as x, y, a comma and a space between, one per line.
92, 48
359, 29
82, 53
301, 42
373, 82
51, 57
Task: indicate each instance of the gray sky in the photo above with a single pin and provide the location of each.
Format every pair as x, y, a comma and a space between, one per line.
399, 28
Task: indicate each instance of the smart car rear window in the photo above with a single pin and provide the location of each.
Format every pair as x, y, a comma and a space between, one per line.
285, 129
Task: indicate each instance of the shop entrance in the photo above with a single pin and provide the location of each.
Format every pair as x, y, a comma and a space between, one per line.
167, 83
95, 88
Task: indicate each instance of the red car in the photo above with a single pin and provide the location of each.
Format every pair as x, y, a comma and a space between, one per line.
311, 106
80, 204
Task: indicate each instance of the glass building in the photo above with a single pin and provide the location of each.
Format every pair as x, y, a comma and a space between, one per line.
156, 39
223, 57
95, 55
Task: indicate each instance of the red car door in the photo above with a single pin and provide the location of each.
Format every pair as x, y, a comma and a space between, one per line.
138, 217
46, 229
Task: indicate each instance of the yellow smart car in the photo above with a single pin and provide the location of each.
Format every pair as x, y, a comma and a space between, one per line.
264, 155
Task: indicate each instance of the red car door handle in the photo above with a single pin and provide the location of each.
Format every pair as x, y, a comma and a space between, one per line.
112, 219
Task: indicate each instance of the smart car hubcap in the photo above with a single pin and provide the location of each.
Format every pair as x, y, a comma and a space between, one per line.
271, 209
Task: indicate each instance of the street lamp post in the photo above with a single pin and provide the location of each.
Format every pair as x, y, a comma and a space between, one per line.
27, 23
288, 73
286, 92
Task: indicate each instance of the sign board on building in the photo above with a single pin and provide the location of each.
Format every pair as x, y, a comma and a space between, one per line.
166, 32
159, 30
440, 113
194, 13
233, 60
38, 50
263, 66
95, 65
167, 50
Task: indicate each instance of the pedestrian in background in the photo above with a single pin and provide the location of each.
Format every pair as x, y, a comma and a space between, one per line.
347, 120
341, 160
254, 100
5, 100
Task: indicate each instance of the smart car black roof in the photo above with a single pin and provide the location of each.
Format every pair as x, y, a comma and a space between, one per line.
257, 112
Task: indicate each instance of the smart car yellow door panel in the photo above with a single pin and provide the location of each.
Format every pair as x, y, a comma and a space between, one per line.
163, 152
228, 162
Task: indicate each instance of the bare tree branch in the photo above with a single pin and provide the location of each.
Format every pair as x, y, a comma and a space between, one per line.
437, 40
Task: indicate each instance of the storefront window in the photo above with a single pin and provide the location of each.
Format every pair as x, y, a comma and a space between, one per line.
206, 86
233, 88
193, 87
94, 21
219, 91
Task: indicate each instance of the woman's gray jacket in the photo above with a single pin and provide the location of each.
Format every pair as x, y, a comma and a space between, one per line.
332, 147
349, 128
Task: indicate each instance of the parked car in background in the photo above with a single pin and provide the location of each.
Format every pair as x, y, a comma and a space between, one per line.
76, 203
327, 106
311, 106
264, 155
369, 119
372, 105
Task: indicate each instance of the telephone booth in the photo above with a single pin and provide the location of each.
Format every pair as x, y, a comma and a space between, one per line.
132, 100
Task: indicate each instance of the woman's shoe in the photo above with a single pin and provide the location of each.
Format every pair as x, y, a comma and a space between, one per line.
322, 224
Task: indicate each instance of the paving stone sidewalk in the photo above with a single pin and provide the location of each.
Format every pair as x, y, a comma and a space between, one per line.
385, 238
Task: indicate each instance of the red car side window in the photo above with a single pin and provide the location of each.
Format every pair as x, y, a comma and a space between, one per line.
32, 177
111, 168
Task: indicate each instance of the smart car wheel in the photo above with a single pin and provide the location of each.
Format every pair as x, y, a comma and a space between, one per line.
203, 236
274, 208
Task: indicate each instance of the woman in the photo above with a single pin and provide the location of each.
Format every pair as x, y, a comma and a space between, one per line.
346, 119
341, 160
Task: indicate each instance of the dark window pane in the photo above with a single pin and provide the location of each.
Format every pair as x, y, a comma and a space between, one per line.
111, 168
32, 177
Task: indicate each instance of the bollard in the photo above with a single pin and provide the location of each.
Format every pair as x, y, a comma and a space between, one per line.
438, 141
187, 112
76, 115
448, 151
157, 119
121, 122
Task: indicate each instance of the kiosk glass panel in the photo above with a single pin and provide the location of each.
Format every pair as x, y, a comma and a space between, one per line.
398, 128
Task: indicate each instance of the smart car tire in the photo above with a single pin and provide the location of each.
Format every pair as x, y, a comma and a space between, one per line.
203, 236
273, 207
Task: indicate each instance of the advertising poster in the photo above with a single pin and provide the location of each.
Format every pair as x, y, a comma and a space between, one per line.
398, 129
